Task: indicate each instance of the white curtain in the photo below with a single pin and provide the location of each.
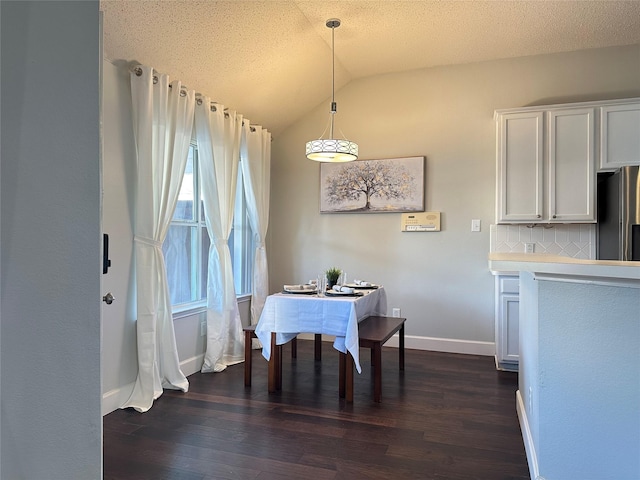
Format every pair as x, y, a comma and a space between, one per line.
163, 124
218, 135
255, 153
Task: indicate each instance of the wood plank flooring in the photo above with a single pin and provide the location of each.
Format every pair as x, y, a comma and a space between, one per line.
446, 416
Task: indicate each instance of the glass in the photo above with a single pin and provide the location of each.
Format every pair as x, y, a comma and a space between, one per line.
322, 284
184, 207
178, 259
242, 242
204, 262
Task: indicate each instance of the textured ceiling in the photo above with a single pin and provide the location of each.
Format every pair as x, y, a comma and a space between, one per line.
271, 60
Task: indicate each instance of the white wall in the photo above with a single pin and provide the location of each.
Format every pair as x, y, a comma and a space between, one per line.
51, 424
440, 280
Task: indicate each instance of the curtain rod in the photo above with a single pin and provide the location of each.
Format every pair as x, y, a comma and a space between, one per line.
137, 70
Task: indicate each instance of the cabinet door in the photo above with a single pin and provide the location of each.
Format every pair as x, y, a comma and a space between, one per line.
571, 189
520, 163
508, 347
507, 321
619, 136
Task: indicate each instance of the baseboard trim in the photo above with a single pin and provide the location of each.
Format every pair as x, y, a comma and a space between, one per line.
114, 399
192, 365
505, 366
529, 446
448, 345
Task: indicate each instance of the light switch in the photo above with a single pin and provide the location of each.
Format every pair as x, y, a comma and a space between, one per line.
475, 225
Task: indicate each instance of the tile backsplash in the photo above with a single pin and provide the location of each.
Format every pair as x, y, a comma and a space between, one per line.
569, 240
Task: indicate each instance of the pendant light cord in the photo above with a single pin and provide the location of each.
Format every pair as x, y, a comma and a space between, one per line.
334, 107
333, 65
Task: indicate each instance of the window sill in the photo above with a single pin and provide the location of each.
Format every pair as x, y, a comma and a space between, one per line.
189, 310
244, 298
195, 309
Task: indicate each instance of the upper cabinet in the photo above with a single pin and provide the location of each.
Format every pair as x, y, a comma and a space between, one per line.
520, 167
546, 167
571, 192
547, 158
620, 135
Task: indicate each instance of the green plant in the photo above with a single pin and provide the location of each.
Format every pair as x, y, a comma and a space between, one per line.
332, 275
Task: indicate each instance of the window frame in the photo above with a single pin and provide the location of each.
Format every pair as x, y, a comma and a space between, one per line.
246, 243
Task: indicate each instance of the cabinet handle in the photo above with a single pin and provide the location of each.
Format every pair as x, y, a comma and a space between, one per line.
539, 216
554, 216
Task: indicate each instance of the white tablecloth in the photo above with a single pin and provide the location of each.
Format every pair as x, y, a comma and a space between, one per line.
291, 314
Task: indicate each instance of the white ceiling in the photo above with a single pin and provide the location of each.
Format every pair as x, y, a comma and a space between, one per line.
271, 60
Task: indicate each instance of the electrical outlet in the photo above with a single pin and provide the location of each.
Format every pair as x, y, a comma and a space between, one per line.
396, 312
203, 329
529, 247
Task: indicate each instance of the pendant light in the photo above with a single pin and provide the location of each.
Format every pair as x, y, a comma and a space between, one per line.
331, 149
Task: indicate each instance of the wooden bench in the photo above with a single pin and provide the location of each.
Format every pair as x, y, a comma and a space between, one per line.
373, 332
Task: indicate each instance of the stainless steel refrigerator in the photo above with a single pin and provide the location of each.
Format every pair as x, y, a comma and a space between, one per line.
618, 232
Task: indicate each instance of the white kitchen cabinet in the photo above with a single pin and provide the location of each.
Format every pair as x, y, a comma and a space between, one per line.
571, 190
619, 135
520, 167
507, 321
546, 166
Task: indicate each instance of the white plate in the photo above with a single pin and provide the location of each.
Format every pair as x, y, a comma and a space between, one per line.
333, 293
370, 286
299, 288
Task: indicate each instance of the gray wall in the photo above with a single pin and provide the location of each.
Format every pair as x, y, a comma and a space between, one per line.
440, 280
50, 241
580, 376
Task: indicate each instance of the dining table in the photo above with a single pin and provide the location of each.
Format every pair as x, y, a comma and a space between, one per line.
286, 315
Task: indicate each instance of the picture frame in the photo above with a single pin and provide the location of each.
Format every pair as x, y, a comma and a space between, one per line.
373, 186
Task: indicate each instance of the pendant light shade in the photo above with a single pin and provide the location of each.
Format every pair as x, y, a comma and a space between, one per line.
331, 149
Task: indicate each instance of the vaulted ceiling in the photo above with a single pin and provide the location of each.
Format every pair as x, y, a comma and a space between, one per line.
271, 60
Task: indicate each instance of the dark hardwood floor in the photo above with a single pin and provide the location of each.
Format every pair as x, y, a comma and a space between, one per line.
446, 416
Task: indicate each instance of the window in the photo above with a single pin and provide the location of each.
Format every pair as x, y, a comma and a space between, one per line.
242, 243
186, 247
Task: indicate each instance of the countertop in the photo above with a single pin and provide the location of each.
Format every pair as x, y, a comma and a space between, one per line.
512, 263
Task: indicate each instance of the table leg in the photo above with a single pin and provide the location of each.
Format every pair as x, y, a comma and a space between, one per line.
348, 379
377, 372
279, 349
401, 349
318, 345
247, 358
342, 367
273, 365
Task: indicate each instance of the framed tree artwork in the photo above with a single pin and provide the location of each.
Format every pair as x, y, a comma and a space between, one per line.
373, 186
